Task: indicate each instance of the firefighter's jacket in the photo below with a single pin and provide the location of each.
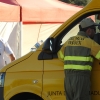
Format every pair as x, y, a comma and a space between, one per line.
78, 51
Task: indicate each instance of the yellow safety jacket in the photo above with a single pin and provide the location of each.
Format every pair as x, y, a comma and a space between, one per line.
78, 51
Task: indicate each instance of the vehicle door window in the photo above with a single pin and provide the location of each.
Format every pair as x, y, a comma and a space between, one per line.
71, 33
74, 30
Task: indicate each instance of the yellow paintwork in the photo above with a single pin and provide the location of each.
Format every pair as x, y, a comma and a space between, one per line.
28, 73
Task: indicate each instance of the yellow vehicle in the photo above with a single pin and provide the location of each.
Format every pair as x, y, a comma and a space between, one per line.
39, 75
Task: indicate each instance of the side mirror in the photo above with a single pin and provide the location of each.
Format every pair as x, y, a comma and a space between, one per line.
49, 45
52, 45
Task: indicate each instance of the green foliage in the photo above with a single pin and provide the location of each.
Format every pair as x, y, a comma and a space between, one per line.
76, 2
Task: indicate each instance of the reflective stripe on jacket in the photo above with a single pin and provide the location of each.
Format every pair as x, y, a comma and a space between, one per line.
77, 52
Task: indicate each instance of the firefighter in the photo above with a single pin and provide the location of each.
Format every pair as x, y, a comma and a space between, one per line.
77, 54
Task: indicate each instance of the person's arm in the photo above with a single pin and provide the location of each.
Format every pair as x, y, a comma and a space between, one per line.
95, 50
12, 57
61, 53
9, 52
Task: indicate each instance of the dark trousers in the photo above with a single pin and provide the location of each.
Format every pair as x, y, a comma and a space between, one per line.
77, 85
